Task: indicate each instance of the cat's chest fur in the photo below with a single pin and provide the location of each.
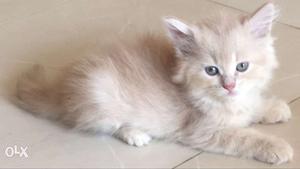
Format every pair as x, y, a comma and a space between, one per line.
239, 112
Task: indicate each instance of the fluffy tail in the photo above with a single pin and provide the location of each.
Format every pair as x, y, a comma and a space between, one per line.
36, 95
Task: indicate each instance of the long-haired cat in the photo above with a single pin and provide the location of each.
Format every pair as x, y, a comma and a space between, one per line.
201, 87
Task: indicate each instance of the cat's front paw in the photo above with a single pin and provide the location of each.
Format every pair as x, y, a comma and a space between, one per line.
275, 151
279, 112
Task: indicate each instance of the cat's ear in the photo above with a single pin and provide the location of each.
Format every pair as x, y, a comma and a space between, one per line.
260, 22
181, 35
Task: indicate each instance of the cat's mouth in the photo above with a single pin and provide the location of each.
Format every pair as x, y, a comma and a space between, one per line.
231, 93
228, 94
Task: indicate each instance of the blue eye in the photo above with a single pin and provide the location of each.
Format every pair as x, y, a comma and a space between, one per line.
212, 70
242, 67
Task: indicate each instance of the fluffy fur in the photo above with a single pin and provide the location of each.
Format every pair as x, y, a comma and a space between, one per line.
157, 87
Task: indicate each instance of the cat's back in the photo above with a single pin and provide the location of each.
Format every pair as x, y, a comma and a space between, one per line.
147, 53
139, 62
130, 77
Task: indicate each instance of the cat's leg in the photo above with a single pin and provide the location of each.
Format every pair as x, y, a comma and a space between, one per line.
133, 136
274, 111
246, 143
105, 125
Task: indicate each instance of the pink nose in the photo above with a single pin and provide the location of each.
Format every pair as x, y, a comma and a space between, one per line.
229, 86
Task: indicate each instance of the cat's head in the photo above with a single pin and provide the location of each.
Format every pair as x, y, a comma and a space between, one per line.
224, 57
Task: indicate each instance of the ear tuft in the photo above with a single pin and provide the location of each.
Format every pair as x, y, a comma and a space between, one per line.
260, 23
176, 27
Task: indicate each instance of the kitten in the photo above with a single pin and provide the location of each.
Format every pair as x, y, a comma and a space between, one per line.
200, 87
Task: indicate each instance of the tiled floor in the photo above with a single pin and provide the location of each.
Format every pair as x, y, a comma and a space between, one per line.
53, 32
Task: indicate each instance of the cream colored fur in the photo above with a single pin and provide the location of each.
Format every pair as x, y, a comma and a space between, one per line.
157, 87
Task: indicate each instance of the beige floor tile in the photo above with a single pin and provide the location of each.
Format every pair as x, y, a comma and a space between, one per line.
72, 26
19, 9
286, 82
289, 8
70, 150
288, 131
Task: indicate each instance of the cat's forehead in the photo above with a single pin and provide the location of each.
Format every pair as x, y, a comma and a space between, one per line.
223, 40
222, 46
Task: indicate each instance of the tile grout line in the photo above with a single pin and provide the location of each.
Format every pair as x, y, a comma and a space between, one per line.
294, 100
187, 160
235, 8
